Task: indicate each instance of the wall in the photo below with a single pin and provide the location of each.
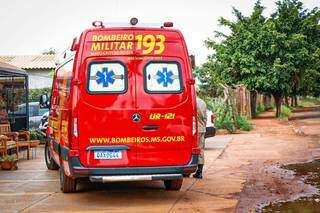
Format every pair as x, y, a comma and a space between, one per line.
39, 78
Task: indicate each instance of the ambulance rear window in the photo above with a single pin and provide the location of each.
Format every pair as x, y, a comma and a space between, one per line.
107, 77
162, 77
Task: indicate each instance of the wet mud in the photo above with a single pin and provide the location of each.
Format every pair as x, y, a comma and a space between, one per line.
310, 172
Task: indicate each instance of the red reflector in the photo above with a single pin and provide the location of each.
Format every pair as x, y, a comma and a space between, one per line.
212, 118
73, 153
81, 170
196, 151
168, 24
189, 169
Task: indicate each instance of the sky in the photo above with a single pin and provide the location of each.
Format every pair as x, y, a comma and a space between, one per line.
30, 26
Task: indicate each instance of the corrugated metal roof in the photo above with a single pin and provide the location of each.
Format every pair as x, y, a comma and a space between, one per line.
31, 61
8, 69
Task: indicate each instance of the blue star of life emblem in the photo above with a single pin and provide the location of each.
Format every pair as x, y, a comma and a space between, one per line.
105, 77
165, 77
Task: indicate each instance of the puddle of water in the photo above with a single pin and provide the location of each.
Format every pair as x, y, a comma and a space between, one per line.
303, 205
311, 172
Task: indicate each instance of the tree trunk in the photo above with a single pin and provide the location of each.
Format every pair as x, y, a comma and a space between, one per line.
277, 99
286, 100
295, 101
292, 101
253, 101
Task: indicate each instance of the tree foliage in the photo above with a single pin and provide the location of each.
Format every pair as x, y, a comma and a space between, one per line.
50, 51
278, 55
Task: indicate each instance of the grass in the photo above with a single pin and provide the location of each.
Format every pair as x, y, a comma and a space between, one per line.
309, 101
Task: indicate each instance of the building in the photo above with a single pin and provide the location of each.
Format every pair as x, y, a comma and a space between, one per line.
13, 93
39, 68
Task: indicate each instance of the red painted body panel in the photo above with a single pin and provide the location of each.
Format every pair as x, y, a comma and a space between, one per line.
107, 119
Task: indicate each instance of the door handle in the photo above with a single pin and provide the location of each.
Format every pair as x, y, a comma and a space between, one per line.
150, 127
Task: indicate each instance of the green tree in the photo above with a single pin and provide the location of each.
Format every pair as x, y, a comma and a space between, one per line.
269, 55
210, 80
49, 51
301, 29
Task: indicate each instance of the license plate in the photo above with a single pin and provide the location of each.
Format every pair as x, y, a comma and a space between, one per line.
108, 154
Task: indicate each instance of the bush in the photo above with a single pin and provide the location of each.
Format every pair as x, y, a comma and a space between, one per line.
8, 158
243, 123
34, 94
226, 124
261, 109
35, 135
273, 106
212, 104
285, 113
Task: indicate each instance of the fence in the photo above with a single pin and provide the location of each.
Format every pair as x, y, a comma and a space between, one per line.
248, 101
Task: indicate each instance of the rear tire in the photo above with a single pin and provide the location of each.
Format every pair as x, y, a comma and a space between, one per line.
51, 164
67, 184
174, 185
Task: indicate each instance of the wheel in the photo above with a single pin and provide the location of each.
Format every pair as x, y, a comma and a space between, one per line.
173, 184
67, 184
51, 164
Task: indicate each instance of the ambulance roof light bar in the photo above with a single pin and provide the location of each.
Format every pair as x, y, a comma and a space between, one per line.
133, 22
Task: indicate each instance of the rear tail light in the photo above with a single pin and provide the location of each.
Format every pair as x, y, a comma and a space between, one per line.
196, 151
212, 119
194, 125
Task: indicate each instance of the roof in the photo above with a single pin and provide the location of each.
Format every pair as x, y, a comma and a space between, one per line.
9, 70
31, 61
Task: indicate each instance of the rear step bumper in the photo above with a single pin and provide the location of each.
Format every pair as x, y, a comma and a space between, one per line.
78, 170
119, 178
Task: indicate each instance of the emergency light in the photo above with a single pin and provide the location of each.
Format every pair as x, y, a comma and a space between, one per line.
133, 22
98, 24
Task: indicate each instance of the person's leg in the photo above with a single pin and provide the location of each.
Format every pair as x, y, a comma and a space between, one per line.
198, 174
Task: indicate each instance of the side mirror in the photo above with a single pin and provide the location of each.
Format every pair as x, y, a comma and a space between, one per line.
44, 101
193, 61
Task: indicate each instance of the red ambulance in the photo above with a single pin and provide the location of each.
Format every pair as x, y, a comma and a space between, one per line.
123, 108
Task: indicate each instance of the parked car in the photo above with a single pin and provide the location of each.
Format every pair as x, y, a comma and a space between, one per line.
35, 113
43, 124
210, 129
123, 108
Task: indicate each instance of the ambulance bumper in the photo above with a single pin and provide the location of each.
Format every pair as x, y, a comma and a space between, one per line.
77, 170
119, 178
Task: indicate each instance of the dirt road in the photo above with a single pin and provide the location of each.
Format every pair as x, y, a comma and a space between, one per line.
241, 173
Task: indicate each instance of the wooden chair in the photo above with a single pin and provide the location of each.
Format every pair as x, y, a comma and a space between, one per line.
15, 140
9, 142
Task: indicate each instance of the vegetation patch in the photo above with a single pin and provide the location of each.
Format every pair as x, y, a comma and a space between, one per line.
285, 113
309, 101
243, 123
34, 94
